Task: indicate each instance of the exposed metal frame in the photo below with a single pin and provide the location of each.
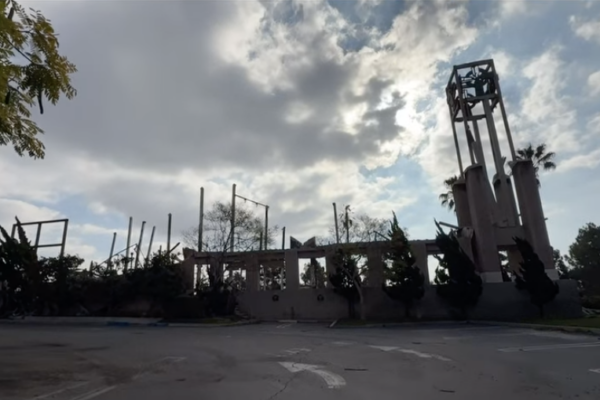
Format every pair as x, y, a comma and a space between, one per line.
36, 244
265, 239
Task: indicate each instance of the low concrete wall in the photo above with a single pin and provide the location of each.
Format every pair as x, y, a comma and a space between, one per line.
294, 304
499, 301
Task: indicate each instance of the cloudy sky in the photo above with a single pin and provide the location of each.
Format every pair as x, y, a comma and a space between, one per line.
301, 104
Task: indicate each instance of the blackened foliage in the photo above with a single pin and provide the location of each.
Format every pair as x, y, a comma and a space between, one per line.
534, 279
218, 299
160, 279
19, 273
456, 279
346, 279
405, 282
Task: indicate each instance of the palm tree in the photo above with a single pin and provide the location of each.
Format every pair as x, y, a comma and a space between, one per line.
447, 198
539, 156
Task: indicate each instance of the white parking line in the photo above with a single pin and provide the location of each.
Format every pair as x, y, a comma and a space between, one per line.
52, 394
333, 381
94, 393
411, 351
342, 343
296, 351
97, 391
550, 347
424, 355
597, 370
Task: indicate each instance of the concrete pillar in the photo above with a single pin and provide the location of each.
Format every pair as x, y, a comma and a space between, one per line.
485, 249
292, 278
508, 211
532, 214
461, 203
375, 267
419, 250
188, 267
252, 273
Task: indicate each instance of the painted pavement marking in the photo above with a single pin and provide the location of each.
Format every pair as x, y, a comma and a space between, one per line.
343, 343
412, 352
384, 348
424, 355
332, 380
94, 393
283, 326
97, 391
296, 351
52, 394
290, 352
550, 347
597, 370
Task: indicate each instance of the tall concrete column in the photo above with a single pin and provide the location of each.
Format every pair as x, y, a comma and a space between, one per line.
252, 273
461, 203
419, 250
292, 279
375, 267
511, 213
532, 214
506, 201
485, 248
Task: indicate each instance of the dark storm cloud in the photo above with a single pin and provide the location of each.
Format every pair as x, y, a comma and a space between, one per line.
153, 94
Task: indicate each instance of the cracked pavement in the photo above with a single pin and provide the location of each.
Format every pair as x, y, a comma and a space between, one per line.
296, 361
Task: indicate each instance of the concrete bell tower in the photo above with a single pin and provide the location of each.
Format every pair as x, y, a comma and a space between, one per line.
473, 95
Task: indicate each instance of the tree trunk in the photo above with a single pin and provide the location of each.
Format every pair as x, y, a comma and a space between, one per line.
541, 311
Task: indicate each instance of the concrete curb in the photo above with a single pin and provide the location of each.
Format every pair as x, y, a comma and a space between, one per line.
201, 325
539, 327
299, 321
99, 321
82, 321
336, 325
130, 323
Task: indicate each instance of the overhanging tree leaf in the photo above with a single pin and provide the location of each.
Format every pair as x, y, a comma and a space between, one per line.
31, 70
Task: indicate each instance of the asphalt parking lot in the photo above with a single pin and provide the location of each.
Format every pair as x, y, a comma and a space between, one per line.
296, 361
